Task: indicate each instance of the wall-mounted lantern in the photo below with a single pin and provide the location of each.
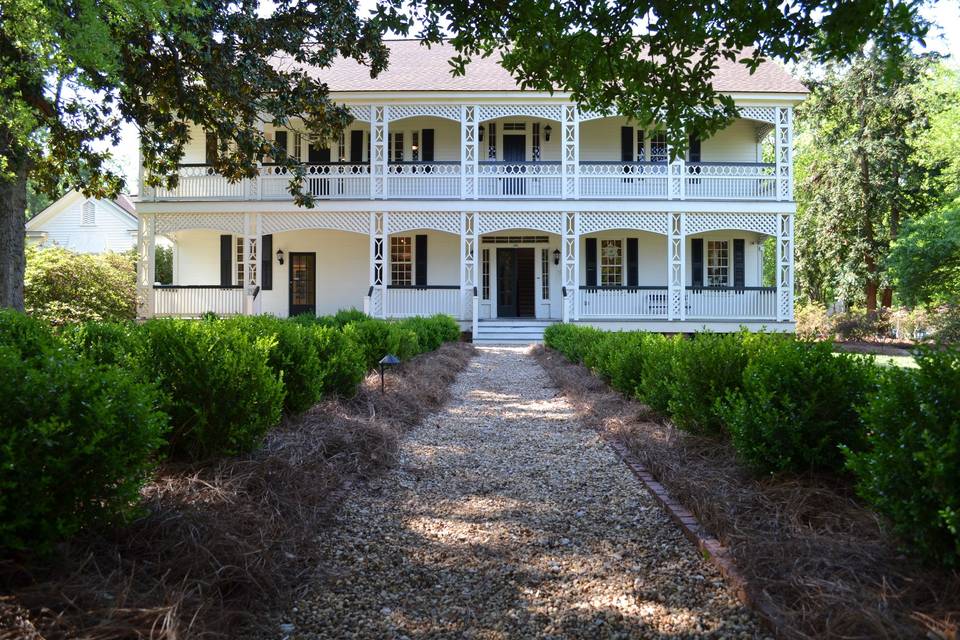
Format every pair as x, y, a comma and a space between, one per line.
480, 131
547, 130
279, 256
556, 256
388, 360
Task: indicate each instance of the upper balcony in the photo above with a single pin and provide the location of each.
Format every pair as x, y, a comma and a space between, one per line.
453, 152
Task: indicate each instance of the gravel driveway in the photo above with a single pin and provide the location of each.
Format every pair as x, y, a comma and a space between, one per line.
507, 519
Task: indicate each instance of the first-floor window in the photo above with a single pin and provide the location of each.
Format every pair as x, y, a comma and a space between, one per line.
545, 274
718, 263
611, 263
485, 273
401, 260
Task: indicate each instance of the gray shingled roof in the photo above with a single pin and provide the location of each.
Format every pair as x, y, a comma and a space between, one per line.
414, 67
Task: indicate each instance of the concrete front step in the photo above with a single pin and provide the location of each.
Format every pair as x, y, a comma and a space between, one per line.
510, 331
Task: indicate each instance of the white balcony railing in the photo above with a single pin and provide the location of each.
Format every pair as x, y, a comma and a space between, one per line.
188, 301
423, 180
406, 302
731, 181
623, 302
747, 303
509, 180
623, 180
495, 181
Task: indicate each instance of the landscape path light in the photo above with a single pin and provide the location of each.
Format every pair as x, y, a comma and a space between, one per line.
388, 360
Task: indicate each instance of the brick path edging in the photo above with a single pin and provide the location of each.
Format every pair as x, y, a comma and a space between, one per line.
709, 546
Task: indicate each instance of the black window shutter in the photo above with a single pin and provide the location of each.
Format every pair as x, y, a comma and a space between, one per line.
633, 262
356, 146
738, 268
626, 144
591, 262
694, 152
280, 141
696, 261
226, 260
420, 261
211, 148
266, 263
427, 145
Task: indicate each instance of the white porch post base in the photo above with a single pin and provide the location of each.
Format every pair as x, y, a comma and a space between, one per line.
146, 255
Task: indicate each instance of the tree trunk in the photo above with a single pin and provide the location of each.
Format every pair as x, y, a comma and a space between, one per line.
886, 299
13, 207
871, 293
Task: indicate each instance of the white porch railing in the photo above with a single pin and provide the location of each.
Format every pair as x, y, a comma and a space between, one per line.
423, 180
201, 182
731, 181
623, 302
519, 180
747, 303
335, 180
192, 301
623, 180
406, 302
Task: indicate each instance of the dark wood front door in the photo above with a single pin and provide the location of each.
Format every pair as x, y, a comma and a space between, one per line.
516, 292
303, 283
514, 150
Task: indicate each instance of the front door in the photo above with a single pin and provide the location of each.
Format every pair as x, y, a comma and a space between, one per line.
516, 291
303, 283
514, 150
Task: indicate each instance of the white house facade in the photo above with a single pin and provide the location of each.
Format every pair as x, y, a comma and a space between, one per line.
85, 225
503, 208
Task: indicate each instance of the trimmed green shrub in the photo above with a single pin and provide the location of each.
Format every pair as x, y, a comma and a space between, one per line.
293, 358
342, 363
29, 336
910, 470
373, 338
705, 368
572, 341
656, 364
616, 358
77, 442
433, 331
62, 287
797, 406
402, 341
105, 342
220, 392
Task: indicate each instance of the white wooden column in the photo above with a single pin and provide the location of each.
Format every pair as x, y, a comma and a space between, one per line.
676, 176
676, 266
785, 267
469, 151
379, 150
570, 261
784, 152
468, 262
146, 258
374, 305
570, 168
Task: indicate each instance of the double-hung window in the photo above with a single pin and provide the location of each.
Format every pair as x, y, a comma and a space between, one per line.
658, 147
611, 263
718, 263
401, 261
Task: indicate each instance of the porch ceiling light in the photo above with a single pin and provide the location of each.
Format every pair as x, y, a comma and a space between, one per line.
279, 256
388, 360
556, 256
547, 130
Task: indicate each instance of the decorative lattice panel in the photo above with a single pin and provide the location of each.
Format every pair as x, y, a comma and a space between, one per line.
379, 136
357, 222
676, 257
760, 114
545, 111
360, 111
447, 221
594, 221
765, 223
549, 221
586, 116
785, 267
469, 151
447, 111
172, 222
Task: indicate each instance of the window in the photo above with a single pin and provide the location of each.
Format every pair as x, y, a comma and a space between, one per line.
401, 261
280, 142
535, 153
611, 263
514, 126
397, 147
210, 149
658, 147
718, 263
342, 148
545, 274
239, 245
485, 271
641, 146
415, 146
89, 214
492, 144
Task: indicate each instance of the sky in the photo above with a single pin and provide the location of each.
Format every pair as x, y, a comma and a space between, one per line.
944, 38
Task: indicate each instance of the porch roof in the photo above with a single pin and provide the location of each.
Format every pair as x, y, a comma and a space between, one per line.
414, 67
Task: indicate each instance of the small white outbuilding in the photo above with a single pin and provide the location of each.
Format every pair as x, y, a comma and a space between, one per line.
85, 225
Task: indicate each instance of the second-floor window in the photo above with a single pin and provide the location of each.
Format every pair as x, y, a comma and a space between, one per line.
397, 147
658, 147
401, 261
718, 263
611, 263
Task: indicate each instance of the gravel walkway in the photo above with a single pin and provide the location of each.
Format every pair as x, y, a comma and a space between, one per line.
508, 520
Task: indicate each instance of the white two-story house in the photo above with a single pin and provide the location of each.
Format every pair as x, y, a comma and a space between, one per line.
507, 209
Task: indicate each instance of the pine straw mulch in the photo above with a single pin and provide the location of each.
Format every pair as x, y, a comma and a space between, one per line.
223, 541
813, 556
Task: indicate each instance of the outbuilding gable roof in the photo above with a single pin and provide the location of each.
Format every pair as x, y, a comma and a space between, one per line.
415, 67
